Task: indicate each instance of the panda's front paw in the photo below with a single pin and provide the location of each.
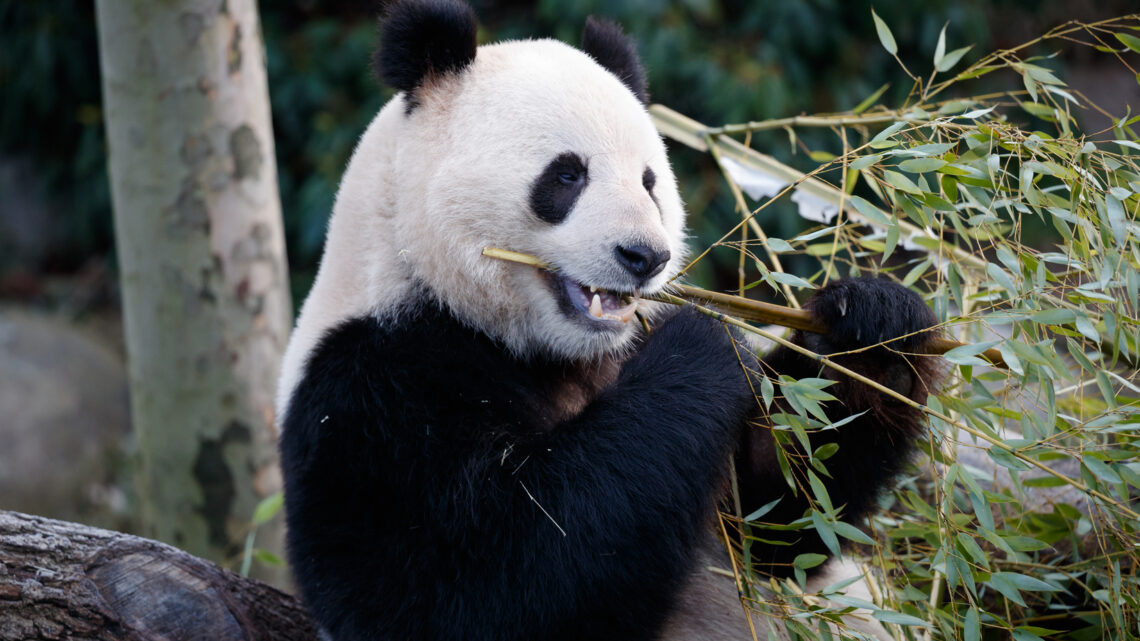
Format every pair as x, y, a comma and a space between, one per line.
865, 311
698, 348
693, 337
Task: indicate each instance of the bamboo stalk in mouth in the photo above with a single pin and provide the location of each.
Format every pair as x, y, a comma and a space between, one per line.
750, 310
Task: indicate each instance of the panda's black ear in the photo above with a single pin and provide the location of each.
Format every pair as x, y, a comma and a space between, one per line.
608, 44
419, 38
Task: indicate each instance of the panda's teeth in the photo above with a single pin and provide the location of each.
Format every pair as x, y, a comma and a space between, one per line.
627, 312
593, 289
596, 306
624, 314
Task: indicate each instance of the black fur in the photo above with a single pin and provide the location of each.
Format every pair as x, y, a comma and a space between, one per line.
421, 38
608, 44
866, 311
554, 192
431, 493
874, 447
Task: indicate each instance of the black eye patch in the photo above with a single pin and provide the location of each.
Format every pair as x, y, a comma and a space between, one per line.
554, 192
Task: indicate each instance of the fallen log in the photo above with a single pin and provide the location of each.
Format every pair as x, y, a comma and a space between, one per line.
62, 580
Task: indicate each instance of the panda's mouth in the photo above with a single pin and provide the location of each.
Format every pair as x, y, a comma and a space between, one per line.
597, 304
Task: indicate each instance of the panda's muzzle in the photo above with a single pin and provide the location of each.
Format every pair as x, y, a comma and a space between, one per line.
599, 305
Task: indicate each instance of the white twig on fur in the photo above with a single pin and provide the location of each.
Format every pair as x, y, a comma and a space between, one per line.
542, 508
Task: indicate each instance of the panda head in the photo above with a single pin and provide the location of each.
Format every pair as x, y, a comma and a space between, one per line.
532, 146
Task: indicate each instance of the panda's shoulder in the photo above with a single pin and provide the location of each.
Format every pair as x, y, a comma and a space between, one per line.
401, 342
360, 344
371, 366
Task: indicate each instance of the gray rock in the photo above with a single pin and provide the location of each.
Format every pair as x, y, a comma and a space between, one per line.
64, 422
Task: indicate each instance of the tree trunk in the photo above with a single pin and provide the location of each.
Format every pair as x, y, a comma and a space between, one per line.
62, 580
202, 259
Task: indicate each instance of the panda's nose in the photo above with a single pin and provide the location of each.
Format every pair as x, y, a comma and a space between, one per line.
642, 261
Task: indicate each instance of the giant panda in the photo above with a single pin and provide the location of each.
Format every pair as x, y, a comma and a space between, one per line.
479, 449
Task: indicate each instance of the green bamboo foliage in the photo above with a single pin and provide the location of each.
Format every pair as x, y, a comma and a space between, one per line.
1021, 521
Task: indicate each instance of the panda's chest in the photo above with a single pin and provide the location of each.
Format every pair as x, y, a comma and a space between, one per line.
567, 391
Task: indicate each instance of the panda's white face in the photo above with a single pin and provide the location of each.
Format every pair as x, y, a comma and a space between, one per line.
537, 149
532, 147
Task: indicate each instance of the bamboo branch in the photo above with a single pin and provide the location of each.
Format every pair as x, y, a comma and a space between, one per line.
747, 309
693, 134
837, 120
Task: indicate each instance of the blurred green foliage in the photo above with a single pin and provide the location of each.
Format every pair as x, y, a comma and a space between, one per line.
50, 117
716, 60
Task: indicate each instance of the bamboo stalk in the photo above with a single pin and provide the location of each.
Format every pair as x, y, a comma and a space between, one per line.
748, 309
837, 120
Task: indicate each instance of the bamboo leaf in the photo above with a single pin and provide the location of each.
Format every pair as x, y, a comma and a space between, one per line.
1030, 85
1101, 470
999, 582
966, 354
892, 239
921, 165
790, 279
901, 182
268, 558
1055, 316
865, 161
820, 492
1006, 459
873, 213
826, 533
1025, 543
779, 245
764, 509
1130, 41
809, 560
897, 127
951, 59
267, 508
826, 451
940, 48
898, 618
1026, 583
977, 113
885, 37
852, 533
767, 391
1001, 277
972, 627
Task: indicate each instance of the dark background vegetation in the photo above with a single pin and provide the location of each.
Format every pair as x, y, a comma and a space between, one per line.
716, 60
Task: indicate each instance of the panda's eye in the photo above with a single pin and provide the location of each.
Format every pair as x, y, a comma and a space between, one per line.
648, 179
569, 177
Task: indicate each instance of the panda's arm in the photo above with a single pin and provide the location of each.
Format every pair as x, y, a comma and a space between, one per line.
629, 484
874, 446
421, 477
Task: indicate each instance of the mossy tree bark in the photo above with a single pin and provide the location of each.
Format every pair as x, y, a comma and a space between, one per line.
201, 252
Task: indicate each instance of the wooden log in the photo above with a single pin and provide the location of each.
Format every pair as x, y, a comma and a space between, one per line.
61, 581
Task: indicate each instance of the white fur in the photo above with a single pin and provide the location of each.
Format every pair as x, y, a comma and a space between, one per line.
425, 192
